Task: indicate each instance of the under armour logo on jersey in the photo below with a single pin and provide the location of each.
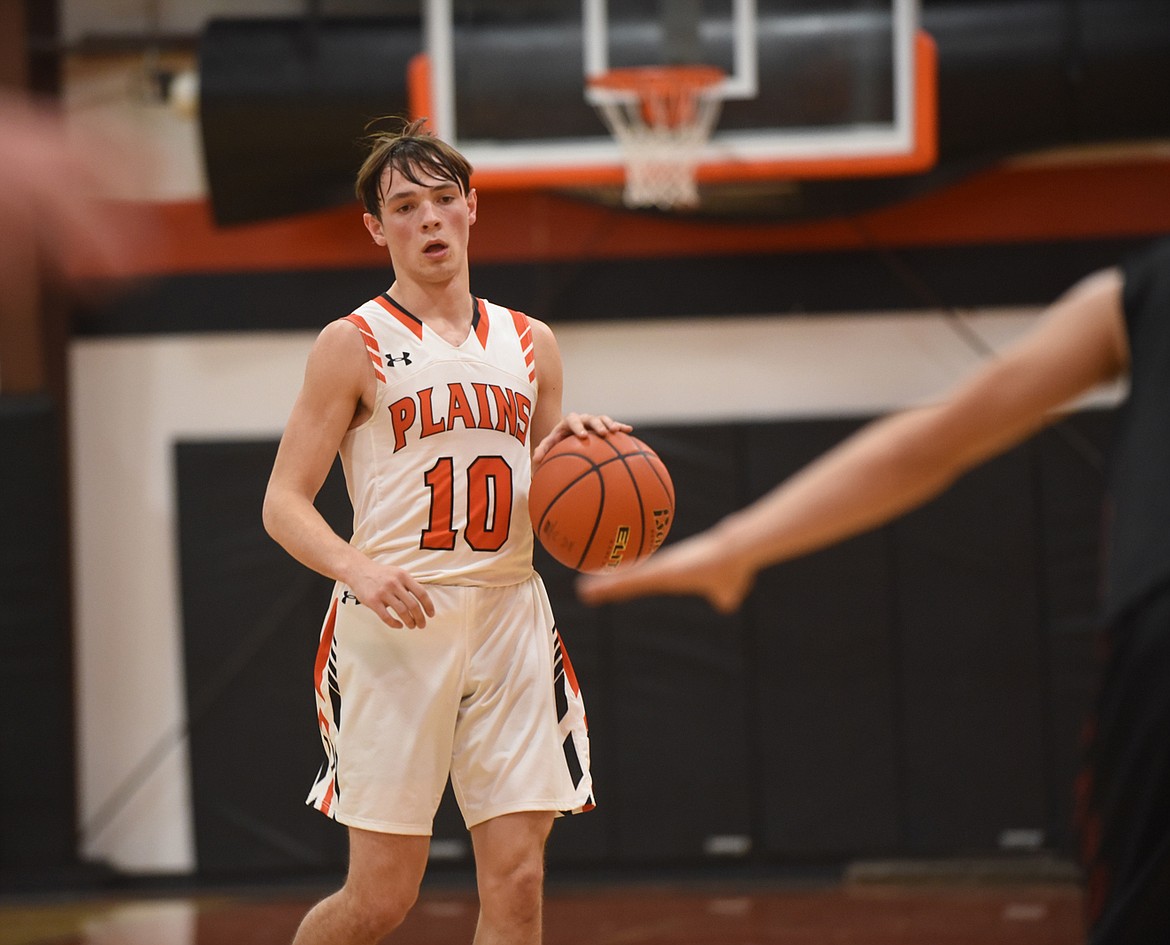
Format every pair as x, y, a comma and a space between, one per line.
346, 597
391, 360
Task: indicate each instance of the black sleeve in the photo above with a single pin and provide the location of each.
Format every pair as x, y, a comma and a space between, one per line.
1147, 284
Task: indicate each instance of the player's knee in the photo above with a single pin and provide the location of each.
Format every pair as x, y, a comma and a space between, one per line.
380, 914
528, 880
516, 890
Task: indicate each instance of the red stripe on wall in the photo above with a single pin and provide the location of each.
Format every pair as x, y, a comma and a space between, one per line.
1016, 201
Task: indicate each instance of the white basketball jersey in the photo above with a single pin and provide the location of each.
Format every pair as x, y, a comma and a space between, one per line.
439, 474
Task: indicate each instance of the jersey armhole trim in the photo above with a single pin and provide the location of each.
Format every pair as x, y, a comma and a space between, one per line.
524, 333
372, 348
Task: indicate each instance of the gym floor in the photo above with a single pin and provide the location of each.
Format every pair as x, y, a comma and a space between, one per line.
957, 910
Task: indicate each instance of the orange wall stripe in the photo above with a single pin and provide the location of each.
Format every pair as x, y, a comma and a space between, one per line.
1016, 201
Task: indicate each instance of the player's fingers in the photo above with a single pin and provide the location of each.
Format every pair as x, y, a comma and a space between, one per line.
577, 424
722, 604
727, 598
599, 590
603, 425
398, 608
620, 585
424, 600
411, 612
615, 426
561, 431
415, 605
387, 615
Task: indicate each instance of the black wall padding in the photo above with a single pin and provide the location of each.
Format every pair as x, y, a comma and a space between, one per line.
283, 104
1070, 464
251, 616
917, 690
38, 823
826, 647
899, 279
679, 737
969, 625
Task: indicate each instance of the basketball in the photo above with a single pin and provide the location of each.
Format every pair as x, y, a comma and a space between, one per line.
601, 502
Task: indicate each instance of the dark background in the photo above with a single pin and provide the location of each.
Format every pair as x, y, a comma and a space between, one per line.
917, 691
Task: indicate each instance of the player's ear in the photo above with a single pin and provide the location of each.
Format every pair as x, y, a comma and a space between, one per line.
374, 225
472, 201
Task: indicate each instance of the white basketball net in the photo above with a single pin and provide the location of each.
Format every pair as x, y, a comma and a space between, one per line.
661, 130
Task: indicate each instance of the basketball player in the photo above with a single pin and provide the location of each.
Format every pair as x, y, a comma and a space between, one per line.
1113, 324
438, 655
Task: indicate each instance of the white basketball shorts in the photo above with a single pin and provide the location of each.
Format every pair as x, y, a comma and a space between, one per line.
484, 694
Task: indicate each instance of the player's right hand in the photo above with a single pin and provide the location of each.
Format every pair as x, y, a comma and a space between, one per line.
394, 595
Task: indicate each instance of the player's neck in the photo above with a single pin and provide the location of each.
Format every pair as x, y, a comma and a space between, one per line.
443, 307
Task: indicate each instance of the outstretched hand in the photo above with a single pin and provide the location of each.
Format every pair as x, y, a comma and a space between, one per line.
579, 425
53, 181
703, 566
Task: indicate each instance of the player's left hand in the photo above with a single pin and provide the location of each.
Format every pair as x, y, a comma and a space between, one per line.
705, 565
579, 425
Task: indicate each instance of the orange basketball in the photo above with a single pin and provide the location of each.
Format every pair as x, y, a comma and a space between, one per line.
601, 502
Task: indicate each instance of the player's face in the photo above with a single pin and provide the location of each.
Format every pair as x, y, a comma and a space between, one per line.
425, 226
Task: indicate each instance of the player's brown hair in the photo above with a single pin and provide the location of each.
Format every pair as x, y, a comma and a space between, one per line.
409, 150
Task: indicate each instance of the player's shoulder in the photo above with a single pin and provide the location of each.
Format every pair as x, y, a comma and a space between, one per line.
513, 313
370, 311
361, 321
541, 331
342, 338
345, 326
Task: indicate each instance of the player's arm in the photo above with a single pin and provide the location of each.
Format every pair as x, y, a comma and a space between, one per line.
549, 424
901, 461
65, 235
336, 393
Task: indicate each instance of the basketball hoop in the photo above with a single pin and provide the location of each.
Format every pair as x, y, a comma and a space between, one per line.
661, 117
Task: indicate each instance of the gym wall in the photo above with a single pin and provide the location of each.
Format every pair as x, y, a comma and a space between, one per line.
37, 805
917, 691
195, 633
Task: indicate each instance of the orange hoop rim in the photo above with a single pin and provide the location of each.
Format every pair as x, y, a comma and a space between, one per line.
656, 80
